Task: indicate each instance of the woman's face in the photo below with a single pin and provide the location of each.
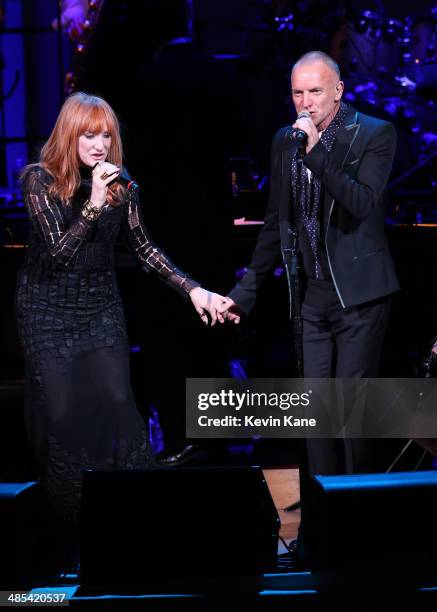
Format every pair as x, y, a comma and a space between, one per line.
93, 147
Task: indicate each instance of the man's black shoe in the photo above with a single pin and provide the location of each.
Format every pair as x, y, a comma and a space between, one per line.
191, 453
292, 560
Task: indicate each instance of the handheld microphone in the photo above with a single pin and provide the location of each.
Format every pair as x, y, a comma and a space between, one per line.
126, 180
300, 136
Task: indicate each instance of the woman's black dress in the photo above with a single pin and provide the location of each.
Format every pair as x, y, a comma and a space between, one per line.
80, 410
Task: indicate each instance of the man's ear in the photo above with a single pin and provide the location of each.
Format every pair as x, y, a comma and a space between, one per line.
339, 90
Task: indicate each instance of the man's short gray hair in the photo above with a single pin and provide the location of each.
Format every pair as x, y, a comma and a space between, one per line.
318, 56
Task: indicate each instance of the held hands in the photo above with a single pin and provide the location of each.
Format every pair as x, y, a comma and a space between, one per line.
216, 305
229, 310
306, 125
103, 174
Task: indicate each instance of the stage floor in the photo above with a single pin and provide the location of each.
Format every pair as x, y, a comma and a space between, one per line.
283, 484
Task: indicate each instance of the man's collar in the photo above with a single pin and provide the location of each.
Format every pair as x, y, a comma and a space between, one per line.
351, 117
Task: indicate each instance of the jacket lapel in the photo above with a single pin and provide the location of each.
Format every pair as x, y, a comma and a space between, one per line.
342, 145
345, 137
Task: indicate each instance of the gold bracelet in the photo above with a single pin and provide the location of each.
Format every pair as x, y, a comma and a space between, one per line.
90, 211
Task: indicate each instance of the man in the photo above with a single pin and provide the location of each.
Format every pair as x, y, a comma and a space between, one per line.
332, 193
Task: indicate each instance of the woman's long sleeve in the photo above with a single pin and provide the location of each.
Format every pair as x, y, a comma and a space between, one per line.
62, 243
149, 255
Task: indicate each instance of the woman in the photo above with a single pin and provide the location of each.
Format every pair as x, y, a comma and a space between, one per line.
80, 410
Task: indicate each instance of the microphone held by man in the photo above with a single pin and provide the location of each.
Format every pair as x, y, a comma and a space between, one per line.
299, 135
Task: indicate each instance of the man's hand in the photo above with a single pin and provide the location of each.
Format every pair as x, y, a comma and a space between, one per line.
229, 310
216, 305
306, 125
207, 302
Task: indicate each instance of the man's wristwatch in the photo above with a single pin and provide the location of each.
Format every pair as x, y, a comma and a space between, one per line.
91, 212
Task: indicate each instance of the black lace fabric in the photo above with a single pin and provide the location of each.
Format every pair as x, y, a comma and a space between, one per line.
80, 409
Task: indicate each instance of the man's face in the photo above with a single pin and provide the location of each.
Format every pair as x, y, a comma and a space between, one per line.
315, 88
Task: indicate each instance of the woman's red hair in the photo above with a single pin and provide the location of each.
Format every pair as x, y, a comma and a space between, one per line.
80, 113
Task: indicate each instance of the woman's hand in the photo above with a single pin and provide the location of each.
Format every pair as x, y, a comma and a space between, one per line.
207, 302
103, 174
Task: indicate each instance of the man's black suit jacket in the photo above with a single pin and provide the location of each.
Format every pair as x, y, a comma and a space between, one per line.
354, 175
